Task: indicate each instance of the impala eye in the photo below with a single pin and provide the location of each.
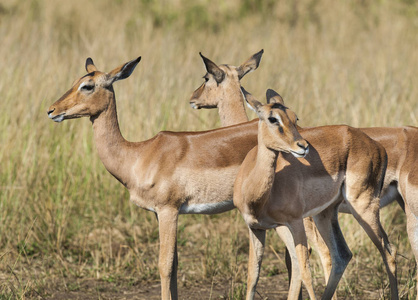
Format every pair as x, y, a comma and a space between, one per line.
87, 87
273, 120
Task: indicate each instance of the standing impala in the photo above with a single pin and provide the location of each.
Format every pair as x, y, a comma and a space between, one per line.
227, 97
169, 174
208, 96
253, 186
193, 172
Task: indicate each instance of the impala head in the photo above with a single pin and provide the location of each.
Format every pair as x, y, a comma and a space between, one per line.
91, 94
221, 81
277, 127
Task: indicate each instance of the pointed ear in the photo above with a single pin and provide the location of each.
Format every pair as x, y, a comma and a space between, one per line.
250, 65
213, 69
90, 67
251, 101
123, 71
273, 97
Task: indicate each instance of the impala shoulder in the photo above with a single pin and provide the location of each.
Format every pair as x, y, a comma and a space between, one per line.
168, 143
410, 132
363, 141
170, 136
349, 130
355, 134
408, 139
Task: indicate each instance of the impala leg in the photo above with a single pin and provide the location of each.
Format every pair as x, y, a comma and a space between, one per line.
295, 284
173, 278
321, 247
365, 208
288, 260
412, 228
257, 241
301, 244
338, 251
167, 263
408, 186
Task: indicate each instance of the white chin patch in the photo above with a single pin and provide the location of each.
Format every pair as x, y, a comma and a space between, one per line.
58, 118
194, 106
300, 155
297, 155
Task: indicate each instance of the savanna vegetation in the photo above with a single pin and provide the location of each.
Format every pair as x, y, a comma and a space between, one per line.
67, 228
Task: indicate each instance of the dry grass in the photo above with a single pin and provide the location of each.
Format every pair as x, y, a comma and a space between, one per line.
64, 218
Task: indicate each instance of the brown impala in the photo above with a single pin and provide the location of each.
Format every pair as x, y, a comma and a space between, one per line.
193, 172
226, 94
277, 132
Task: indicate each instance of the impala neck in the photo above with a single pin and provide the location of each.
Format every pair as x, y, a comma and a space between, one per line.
264, 171
232, 110
266, 163
111, 145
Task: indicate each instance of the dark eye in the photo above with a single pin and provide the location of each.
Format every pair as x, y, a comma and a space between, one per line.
273, 120
87, 87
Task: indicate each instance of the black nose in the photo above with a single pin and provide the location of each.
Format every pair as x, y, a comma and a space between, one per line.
50, 111
302, 146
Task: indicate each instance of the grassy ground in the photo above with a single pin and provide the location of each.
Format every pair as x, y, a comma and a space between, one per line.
67, 227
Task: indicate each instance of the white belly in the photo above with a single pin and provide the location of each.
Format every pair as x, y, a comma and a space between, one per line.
206, 208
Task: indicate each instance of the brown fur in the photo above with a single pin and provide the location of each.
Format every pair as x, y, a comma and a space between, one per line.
172, 173
342, 145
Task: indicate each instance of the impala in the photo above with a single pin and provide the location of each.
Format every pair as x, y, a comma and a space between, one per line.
229, 101
172, 173
231, 93
230, 111
277, 132
169, 174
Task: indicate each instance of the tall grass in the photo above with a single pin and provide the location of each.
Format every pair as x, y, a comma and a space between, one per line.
63, 217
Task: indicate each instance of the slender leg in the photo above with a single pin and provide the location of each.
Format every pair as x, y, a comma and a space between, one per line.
257, 241
173, 280
321, 247
401, 203
408, 186
167, 262
412, 228
299, 236
340, 255
288, 260
362, 194
295, 284
366, 211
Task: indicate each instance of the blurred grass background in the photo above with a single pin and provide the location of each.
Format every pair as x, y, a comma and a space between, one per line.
63, 218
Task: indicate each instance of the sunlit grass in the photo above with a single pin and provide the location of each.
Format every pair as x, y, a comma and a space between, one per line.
63, 216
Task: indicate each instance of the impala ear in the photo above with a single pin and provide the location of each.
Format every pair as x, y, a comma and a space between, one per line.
250, 65
251, 101
213, 69
123, 71
90, 67
273, 97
